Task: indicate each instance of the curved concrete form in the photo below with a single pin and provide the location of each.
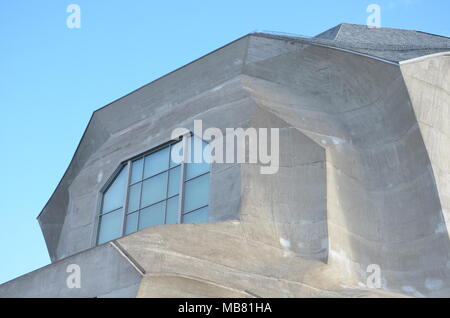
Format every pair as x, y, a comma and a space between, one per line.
383, 204
428, 82
363, 180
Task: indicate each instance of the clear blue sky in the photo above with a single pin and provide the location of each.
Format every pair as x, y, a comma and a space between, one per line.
52, 78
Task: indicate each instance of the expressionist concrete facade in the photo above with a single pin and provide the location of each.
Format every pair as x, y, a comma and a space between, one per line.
364, 177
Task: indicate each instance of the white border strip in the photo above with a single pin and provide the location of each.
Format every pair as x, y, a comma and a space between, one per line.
421, 58
128, 257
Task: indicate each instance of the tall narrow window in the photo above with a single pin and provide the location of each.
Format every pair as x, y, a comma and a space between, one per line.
196, 185
110, 222
159, 190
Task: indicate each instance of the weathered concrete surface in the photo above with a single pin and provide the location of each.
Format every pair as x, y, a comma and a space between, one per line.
428, 83
287, 209
144, 111
382, 203
217, 108
363, 177
104, 272
227, 255
383, 206
176, 286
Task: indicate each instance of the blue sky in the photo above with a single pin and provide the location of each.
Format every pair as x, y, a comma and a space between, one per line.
52, 78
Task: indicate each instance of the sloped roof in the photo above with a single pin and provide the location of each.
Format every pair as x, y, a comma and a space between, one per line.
362, 34
387, 43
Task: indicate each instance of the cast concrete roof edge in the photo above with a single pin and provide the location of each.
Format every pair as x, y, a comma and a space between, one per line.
310, 41
425, 57
113, 244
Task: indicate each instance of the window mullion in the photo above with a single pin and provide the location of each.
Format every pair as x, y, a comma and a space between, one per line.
167, 188
125, 205
182, 175
140, 194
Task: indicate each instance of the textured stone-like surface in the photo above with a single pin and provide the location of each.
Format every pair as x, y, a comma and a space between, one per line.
428, 83
364, 173
228, 255
104, 272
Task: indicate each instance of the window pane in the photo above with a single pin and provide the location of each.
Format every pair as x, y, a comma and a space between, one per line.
110, 226
197, 216
131, 223
196, 167
172, 210
174, 181
154, 189
156, 162
113, 197
134, 197
136, 170
176, 154
153, 215
196, 193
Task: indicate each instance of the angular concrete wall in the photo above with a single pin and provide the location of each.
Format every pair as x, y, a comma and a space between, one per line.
104, 272
428, 83
382, 199
196, 257
79, 230
363, 176
150, 104
287, 209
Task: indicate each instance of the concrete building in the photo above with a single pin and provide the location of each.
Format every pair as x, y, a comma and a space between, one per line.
359, 207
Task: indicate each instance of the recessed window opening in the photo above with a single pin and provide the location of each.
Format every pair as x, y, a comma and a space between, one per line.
152, 189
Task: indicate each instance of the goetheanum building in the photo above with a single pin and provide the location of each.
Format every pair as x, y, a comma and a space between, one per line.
359, 204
